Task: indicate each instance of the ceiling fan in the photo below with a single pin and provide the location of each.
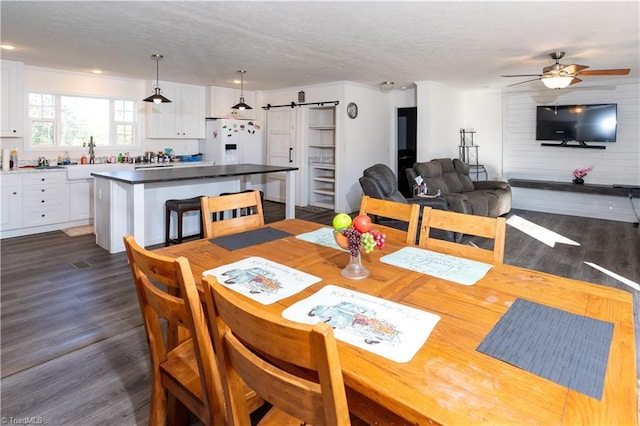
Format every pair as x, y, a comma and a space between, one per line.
558, 76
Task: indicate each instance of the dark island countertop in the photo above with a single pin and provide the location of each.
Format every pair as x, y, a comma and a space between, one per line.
171, 174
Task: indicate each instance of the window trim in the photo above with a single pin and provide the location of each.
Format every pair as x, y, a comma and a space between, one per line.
137, 134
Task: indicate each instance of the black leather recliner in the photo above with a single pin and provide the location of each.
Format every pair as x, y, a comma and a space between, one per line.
379, 181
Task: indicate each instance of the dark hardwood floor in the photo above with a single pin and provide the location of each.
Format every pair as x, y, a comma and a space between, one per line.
73, 348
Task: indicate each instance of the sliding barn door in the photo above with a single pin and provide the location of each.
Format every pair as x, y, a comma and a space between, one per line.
281, 134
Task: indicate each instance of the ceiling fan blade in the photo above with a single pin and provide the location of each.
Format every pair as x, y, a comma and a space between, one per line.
575, 80
619, 71
522, 82
522, 75
574, 68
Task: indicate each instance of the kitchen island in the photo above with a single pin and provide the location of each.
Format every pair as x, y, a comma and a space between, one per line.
132, 201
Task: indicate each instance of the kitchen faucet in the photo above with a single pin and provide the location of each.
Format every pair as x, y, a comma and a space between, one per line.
92, 155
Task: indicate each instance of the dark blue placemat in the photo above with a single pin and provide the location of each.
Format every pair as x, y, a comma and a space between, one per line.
568, 349
249, 238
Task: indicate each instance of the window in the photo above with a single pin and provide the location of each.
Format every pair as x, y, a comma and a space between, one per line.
70, 121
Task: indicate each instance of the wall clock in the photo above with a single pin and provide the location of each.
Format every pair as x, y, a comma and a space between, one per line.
352, 110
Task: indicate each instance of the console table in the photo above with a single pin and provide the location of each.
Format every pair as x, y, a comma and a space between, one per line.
586, 200
587, 188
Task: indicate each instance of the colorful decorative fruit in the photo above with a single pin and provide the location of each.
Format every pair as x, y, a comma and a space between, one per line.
341, 240
362, 223
341, 221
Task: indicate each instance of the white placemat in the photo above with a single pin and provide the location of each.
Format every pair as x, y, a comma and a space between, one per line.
451, 268
385, 328
322, 236
262, 280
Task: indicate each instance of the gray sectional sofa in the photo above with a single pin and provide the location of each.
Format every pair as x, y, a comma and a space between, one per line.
451, 177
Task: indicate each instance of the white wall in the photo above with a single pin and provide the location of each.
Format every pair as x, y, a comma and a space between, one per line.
482, 111
443, 111
440, 118
618, 163
366, 141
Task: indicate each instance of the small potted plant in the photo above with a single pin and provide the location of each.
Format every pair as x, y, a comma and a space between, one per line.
579, 175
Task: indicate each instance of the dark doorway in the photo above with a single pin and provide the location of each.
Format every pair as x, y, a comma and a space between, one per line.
407, 125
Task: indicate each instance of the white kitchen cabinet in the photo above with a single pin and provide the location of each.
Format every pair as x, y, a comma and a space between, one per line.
45, 198
80, 199
182, 118
221, 99
321, 151
11, 202
12, 100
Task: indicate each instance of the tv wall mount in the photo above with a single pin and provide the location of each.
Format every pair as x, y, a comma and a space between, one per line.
577, 144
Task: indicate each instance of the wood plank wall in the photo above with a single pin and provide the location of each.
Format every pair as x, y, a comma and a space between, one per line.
619, 163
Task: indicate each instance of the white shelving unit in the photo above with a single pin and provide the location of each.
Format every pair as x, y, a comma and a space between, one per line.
321, 151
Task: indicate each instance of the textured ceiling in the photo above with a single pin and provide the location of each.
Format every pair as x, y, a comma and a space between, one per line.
297, 44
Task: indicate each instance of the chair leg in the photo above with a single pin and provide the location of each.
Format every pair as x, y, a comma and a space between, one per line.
167, 226
158, 404
179, 237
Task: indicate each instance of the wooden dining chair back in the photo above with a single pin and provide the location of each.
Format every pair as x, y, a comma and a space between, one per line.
185, 369
254, 346
216, 224
491, 228
402, 212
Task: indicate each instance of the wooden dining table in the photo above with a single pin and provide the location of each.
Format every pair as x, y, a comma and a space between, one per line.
448, 381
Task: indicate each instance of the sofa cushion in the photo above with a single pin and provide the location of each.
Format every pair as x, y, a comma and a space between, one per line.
462, 170
450, 176
431, 173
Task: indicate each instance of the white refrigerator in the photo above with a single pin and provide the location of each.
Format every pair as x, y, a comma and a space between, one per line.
232, 141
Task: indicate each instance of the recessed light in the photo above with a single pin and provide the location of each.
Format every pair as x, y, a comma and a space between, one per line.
96, 71
7, 47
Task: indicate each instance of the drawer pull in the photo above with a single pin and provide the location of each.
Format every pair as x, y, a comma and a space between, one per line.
42, 190
43, 215
42, 201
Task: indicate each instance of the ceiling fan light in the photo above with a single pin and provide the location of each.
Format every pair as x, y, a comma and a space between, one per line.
557, 82
386, 86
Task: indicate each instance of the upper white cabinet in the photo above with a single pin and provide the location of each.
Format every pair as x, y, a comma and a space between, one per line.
183, 118
221, 99
12, 100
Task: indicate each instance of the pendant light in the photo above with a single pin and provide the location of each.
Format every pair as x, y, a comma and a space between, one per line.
241, 105
157, 97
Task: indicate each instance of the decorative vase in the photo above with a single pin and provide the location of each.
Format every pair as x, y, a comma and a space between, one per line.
355, 270
578, 181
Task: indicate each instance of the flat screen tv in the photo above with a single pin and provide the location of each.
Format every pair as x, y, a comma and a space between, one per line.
580, 123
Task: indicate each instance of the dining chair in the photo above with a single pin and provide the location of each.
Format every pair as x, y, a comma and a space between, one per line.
185, 368
407, 214
492, 228
254, 346
216, 226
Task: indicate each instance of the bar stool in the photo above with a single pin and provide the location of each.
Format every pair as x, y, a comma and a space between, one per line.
180, 207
